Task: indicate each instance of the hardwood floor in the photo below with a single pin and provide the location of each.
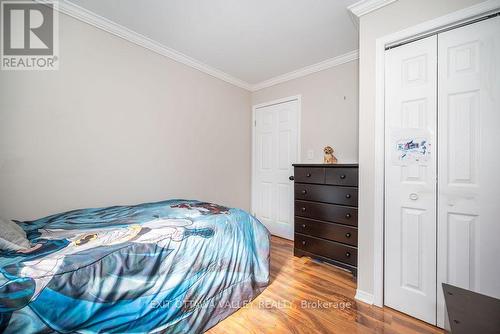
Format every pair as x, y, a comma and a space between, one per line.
309, 297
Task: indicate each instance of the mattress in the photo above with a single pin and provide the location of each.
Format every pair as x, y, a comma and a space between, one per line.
176, 266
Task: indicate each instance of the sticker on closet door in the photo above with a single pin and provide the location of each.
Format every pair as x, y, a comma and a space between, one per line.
410, 147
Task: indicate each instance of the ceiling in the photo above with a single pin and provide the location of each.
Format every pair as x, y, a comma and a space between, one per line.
251, 40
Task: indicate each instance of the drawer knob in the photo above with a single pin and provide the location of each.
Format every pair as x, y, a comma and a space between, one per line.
308, 174
303, 209
304, 225
347, 254
342, 176
304, 192
303, 242
348, 196
348, 215
348, 235
291, 178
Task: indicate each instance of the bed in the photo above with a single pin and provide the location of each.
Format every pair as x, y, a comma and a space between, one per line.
175, 266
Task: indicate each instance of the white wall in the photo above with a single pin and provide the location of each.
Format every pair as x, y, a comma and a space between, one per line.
395, 17
118, 124
327, 118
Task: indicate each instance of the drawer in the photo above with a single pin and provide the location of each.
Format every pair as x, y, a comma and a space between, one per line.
341, 233
329, 212
309, 174
329, 249
342, 176
328, 194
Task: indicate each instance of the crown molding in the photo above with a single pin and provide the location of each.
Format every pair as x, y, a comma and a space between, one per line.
326, 64
364, 7
118, 30
111, 27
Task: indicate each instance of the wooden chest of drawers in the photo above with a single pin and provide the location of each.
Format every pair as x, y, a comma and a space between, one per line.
326, 213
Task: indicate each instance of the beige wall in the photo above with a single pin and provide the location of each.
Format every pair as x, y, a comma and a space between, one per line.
395, 17
327, 118
118, 124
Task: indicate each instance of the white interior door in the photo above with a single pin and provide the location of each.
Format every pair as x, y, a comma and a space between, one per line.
410, 185
275, 150
469, 160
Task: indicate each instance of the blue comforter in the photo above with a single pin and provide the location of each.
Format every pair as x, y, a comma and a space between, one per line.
174, 267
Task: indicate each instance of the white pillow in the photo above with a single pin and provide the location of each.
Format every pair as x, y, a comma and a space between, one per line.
12, 236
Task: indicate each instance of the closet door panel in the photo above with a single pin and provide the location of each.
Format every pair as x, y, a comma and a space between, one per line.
410, 185
469, 160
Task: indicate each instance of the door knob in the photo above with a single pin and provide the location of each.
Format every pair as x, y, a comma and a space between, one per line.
413, 196
291, 178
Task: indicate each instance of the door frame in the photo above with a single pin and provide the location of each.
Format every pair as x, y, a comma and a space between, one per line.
297, 98
379, 171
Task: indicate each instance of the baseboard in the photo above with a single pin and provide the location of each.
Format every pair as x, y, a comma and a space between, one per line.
364, 297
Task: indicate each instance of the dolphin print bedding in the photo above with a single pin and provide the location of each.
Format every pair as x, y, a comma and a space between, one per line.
176, 266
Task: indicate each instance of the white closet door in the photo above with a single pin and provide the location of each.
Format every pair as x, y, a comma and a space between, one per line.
410, 186
469, 159
276, 148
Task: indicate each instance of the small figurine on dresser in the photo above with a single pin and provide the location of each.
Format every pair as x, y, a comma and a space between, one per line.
329, 157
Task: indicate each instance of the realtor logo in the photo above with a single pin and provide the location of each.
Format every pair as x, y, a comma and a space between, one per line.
29, 35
